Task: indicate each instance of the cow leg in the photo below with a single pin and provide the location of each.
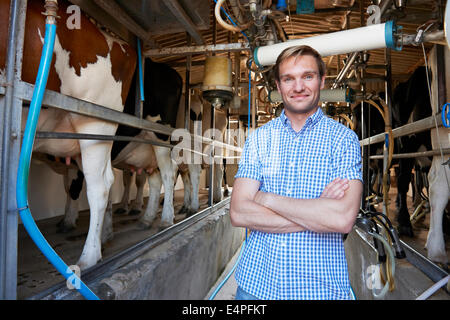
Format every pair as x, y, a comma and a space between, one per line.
73, 183
195, 171
403, 181
123, 205
439, 195
218, 178
165, 165
107, 230
185, 176
226, 190
155, 182
96, 160
136, 207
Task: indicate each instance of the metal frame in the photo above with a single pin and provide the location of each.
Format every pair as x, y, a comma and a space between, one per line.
14, 91
11, 106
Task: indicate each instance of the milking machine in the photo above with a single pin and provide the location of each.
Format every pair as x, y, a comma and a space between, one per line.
372, 223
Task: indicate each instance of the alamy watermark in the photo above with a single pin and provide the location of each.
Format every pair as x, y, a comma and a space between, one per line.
74, 19
73, 281
373, 277
197, 148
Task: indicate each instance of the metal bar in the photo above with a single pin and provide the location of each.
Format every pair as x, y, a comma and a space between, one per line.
109, 266
345, 69
204, 49
187, 91
178, 11
70, 104
57, 100
85, 136
430, 269
410, 128
112, 8
415, 154
211, 167
11, 120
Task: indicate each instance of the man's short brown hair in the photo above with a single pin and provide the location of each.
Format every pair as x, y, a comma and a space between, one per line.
297, 51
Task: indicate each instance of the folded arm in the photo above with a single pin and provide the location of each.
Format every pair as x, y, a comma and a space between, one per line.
249, 209
246, 212
319, 214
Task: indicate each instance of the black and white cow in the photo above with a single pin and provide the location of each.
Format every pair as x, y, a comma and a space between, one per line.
411, 102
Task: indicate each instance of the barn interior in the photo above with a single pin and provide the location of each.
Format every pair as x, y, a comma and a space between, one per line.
183, 34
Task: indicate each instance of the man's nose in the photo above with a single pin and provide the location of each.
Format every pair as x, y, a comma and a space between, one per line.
299, 85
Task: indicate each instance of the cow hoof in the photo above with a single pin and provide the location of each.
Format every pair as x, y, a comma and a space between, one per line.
165, 224
190, 212
141, 225
62, 227
405, 231
108, 237
134, 212
120, 211
226, 193
183, 210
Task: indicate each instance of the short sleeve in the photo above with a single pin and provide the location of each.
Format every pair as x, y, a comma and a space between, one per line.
249, 164
348, 158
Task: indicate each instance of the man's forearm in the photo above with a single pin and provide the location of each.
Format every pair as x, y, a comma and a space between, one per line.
319, 214
254, 216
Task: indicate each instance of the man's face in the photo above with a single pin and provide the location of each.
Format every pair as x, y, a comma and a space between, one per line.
300, 84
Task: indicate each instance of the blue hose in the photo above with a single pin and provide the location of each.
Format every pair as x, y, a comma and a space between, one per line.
24, 166
141, 77
213, 295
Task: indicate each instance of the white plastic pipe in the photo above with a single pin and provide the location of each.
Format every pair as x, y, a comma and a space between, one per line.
430, 291
372, 37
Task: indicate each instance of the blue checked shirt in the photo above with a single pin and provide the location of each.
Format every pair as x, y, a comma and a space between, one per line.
298, 265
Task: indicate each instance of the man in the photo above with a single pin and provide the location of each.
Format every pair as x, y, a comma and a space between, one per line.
298, 189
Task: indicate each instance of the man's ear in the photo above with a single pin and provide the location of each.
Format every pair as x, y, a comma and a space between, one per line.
322, 82
278, 86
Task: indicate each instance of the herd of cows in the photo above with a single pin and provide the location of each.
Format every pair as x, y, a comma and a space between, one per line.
91, 65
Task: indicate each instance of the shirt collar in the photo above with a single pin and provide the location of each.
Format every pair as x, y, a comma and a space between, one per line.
310, 122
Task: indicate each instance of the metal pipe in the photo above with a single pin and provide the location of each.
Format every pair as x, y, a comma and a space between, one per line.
415, 127
205, 49
112, 8
345, 69
178, 11
11, 117
414, 154
187, 91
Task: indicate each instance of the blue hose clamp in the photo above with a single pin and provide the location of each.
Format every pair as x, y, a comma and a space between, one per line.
445, 113
390, 30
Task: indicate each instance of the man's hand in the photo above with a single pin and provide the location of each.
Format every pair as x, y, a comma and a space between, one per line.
335, 189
